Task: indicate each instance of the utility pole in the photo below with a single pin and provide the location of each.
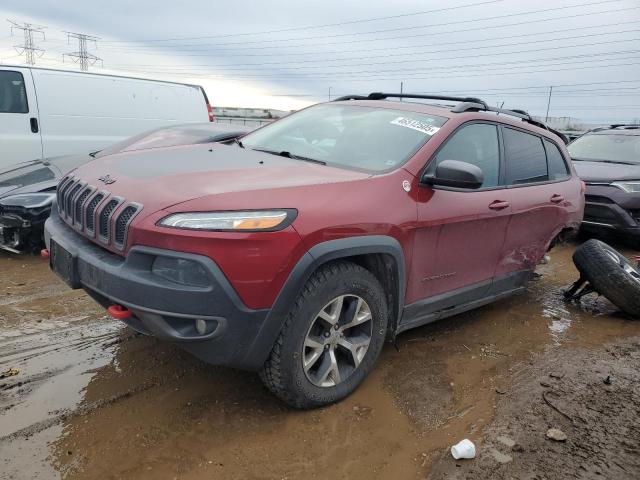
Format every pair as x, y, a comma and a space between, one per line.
329, 93
401, 89
28, 48
546, 118
82, 56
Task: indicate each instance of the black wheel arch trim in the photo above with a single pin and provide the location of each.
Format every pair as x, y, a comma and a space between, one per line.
314, 258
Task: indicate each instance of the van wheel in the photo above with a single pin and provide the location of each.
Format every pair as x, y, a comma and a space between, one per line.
610, 274
331, 337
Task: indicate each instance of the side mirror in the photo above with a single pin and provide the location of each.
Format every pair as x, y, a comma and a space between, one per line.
453, 173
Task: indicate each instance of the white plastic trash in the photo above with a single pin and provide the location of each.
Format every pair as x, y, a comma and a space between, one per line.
463, 449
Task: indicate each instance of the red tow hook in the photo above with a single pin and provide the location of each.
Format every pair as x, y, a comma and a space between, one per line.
44, 253
119, 312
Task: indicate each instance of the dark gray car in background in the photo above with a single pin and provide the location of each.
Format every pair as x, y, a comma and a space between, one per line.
608, 160
28, 188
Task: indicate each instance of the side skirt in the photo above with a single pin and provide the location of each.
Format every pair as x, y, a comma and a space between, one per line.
463, 299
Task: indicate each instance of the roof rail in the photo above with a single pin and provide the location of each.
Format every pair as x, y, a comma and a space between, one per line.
467, 104
383, 96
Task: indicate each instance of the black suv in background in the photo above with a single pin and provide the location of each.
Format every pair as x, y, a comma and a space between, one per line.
608, 160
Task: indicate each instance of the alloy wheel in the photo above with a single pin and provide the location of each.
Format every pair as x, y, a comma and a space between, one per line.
337, 340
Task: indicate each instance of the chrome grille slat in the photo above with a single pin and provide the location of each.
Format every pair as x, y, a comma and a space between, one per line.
104, 219
61, 189
90, 212
122, 222
77, 210
68, 197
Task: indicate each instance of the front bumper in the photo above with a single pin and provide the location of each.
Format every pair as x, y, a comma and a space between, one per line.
160, 307
21, 230
609, 209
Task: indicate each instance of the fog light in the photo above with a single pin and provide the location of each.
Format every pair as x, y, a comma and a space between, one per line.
201, 326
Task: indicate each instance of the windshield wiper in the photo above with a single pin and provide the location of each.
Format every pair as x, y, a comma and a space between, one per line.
286, 154
237, 141
93, 154
619, 162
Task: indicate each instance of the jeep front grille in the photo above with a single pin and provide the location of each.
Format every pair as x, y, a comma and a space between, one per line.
91, 211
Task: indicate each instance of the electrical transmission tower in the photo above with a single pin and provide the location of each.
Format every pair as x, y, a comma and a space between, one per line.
82, 56
28, 48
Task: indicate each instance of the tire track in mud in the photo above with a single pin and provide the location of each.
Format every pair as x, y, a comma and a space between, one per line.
31, 401
56, 417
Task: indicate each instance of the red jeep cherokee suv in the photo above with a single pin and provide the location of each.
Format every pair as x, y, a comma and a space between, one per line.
299, 249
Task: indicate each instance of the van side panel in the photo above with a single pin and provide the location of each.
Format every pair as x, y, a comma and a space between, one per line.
20, 139
81, 113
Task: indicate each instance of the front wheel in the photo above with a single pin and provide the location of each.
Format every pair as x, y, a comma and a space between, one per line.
331, 337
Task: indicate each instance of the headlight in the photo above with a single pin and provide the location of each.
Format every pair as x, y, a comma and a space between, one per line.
629, 187
251, 221
28, 200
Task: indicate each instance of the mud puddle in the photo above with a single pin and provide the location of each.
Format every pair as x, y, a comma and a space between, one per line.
93, 400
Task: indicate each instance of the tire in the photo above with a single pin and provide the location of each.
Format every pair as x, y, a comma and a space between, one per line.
284, 373
617, 279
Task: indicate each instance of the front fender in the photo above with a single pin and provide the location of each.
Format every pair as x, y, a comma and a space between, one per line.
317, 256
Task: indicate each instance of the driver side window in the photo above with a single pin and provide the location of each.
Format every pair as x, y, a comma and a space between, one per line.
476, 144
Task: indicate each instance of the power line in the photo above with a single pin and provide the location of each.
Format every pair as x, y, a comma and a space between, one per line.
237, 52
310, 27
28, 48
403, 29
82, 56
343, 42
404, 72
401, 75
413, 54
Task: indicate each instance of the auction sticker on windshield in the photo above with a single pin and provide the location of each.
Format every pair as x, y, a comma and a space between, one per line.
415, 125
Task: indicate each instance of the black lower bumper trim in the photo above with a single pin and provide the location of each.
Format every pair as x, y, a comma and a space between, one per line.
160, 307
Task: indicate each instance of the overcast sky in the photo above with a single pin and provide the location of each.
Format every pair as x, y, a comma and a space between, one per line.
286, 54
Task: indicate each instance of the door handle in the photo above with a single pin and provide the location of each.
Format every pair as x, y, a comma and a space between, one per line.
557, 198
499, 205
34, 124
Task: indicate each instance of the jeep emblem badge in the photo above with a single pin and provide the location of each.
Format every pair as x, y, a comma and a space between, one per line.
107, 180
406, 185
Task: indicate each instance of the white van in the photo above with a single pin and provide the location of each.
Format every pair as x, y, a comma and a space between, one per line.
47, 113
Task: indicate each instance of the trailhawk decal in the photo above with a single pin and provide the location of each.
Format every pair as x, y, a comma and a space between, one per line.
415, 125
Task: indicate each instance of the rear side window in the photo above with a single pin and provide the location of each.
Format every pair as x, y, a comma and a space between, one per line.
525, 158
557, 166
476, 144
13, 95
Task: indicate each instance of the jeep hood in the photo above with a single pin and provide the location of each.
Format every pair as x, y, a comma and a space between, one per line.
606, 172
161, 178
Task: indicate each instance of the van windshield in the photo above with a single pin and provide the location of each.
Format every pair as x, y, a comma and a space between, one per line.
366, 138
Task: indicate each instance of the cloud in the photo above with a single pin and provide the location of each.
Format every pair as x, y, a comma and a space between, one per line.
582, 47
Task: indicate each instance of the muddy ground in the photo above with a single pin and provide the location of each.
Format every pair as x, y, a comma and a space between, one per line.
91, 399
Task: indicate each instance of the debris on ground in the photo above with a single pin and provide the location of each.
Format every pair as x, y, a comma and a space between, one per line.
557, 435
463, 449
9, 373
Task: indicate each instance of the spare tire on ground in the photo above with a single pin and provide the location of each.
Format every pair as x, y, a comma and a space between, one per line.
610, 274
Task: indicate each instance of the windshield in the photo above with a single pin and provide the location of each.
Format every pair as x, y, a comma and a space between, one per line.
608, 147
373, 139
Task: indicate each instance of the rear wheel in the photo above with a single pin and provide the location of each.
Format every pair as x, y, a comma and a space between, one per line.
331, 338
610, 274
